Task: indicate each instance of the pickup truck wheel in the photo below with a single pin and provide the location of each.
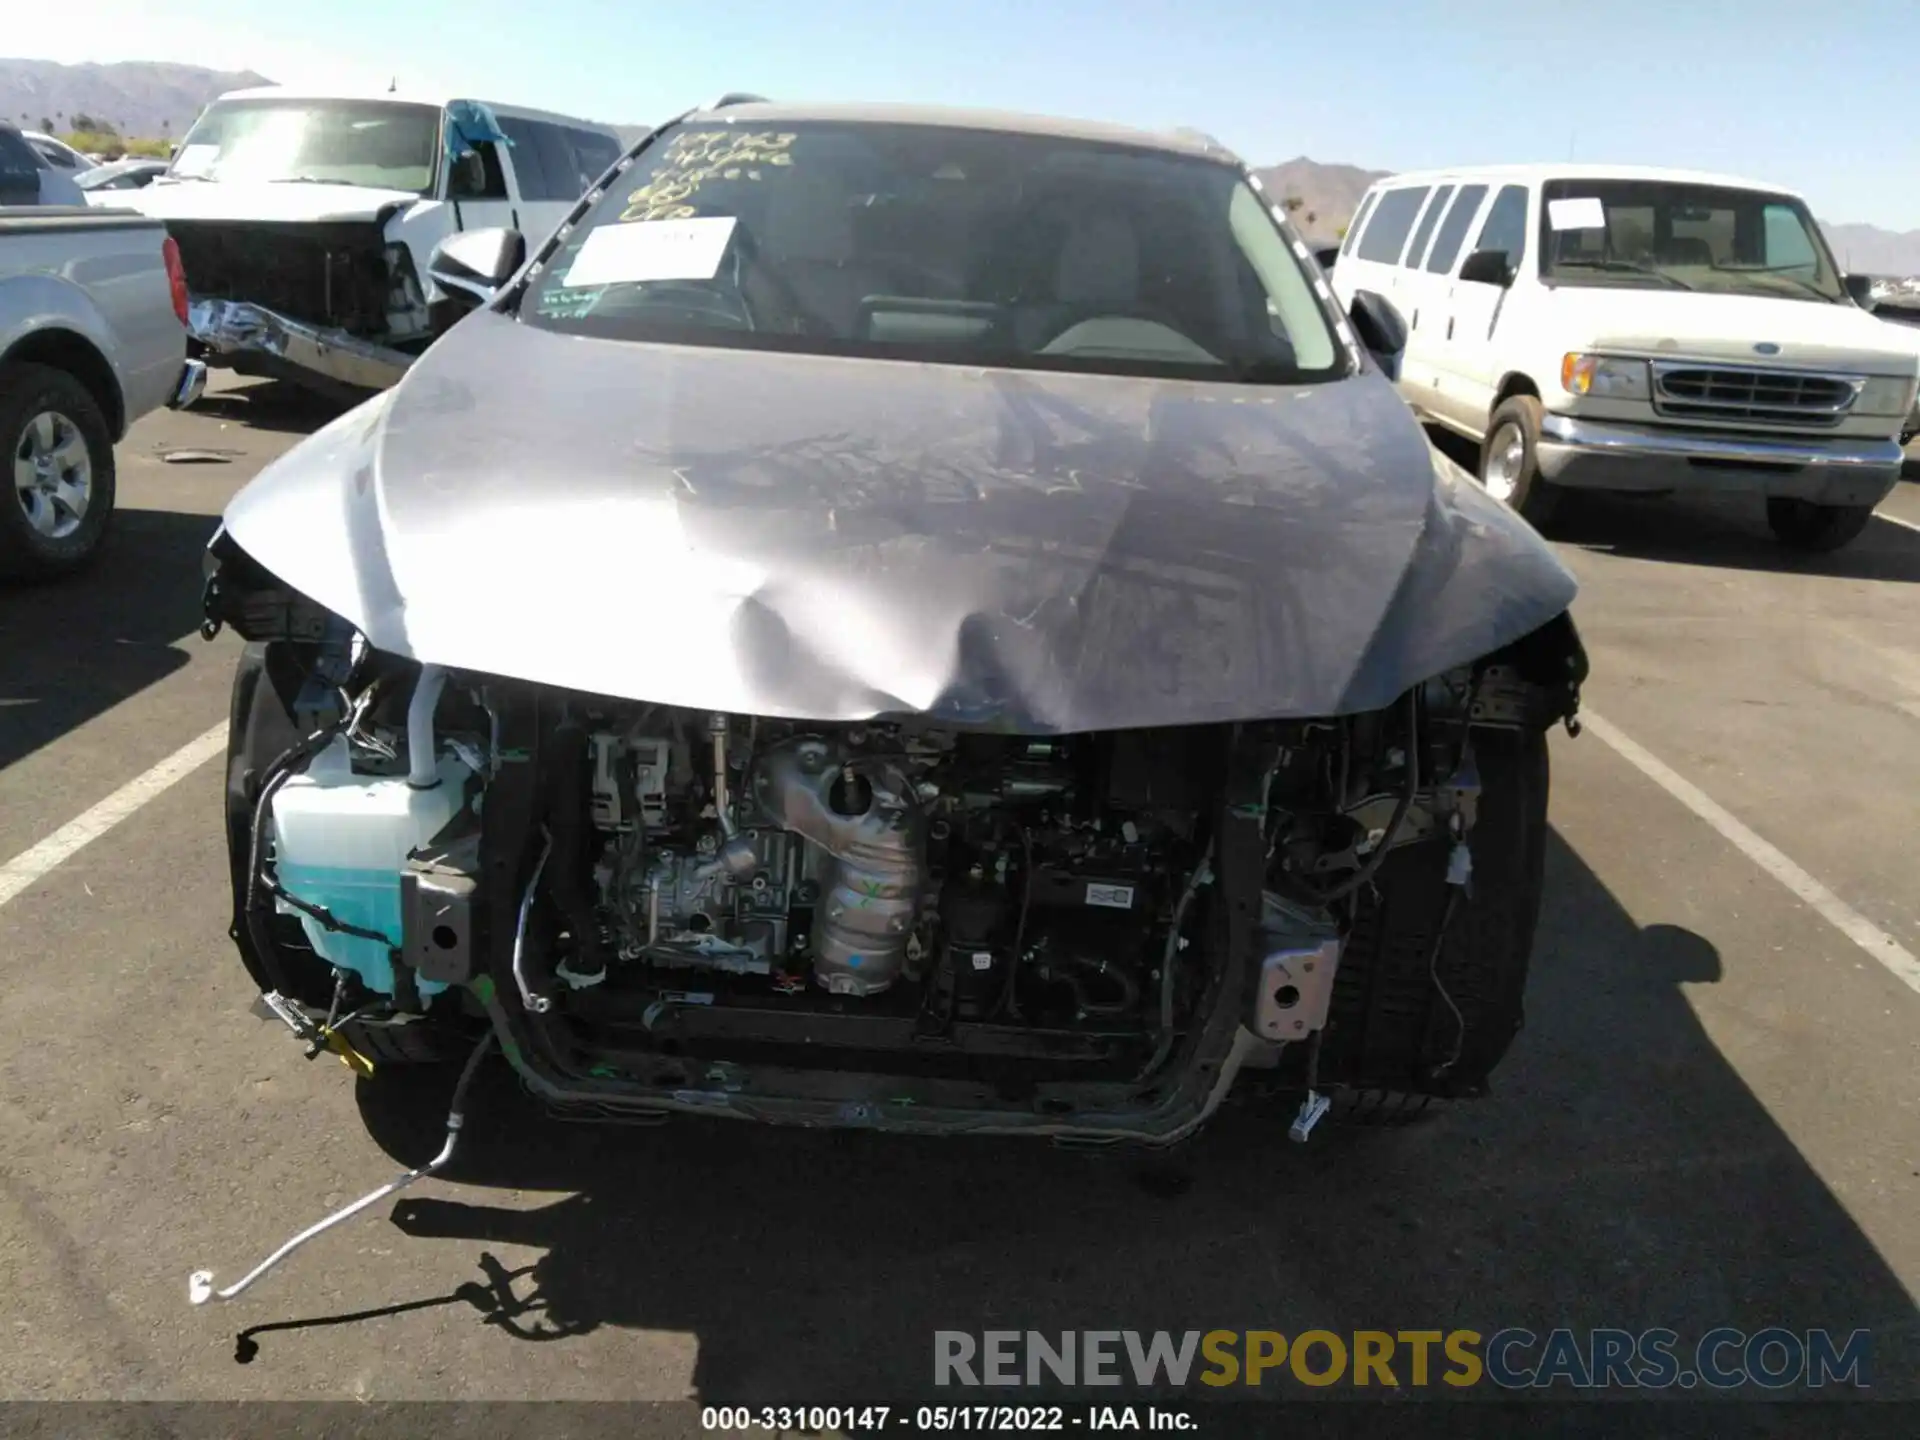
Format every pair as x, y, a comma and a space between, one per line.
58, 454
1817, 529
1508, 466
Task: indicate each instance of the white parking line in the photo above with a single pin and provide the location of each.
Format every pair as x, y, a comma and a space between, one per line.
32, 864
1843, 917
1882, 515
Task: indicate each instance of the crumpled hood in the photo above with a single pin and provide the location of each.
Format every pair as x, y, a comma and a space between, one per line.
1727, 327
240, 201
837, 539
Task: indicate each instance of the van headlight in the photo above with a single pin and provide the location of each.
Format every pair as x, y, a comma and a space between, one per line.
1885, 395
1604, 377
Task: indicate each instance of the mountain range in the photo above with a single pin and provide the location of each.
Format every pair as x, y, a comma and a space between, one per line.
141, 98
138, 98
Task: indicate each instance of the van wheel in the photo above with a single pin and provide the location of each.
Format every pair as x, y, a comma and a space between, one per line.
1803, 525
1508, 465
56, 484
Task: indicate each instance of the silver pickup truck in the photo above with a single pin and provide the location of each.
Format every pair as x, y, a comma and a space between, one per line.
92, 337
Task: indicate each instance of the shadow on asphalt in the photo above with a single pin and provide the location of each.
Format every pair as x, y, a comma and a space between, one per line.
1621, 1175
1730, 531
273, 405
75, 648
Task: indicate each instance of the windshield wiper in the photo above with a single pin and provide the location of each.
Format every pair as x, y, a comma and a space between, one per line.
308, 180
1778, 272
1631, 267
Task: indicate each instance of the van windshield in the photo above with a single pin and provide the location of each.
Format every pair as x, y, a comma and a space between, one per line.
389, 144
942, 243
1677, 236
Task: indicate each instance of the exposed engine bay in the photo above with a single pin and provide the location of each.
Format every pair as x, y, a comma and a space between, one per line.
988, 871
899, 923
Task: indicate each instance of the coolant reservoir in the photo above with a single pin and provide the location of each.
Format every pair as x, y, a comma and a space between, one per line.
339, 842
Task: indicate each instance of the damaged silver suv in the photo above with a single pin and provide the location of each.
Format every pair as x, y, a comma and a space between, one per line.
910, 619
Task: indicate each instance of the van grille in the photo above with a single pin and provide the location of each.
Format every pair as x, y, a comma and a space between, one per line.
1684, 391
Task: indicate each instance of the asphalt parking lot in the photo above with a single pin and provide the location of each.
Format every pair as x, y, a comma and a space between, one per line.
1711, 1119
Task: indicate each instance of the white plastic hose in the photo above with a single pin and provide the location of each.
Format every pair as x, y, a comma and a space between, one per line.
423, 757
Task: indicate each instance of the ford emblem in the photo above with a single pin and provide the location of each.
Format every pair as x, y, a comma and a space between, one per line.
1766, 347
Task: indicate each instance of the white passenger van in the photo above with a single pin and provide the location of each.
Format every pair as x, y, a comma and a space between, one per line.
305, 219
1623, 328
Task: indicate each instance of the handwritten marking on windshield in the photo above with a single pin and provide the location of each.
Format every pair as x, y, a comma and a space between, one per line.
697, 156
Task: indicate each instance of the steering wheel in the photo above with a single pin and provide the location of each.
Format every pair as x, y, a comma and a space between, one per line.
809, 323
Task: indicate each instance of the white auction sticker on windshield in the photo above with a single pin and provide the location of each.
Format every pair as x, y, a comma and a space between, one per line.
652, 250
1583, 212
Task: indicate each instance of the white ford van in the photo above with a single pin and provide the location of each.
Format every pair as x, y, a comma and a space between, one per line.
1622, 328
305, 220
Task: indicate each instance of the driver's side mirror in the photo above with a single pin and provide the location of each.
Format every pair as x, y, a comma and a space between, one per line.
1488, 267
1381, 329
475, 263
1860, 289
1326, 256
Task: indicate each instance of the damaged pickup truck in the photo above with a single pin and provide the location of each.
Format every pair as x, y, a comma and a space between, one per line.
903, 619
305, 221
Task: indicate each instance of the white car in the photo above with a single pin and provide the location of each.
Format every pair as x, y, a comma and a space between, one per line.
57, 153
107, 184
1637, 329
305, 220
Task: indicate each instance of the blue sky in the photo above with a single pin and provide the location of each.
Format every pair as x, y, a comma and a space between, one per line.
1815, 97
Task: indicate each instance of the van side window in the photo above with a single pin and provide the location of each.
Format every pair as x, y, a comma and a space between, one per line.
594, 153
477, 175
1453, 230
562, 166
529, 163
1506, 227
1386, 237
1427, 221
1359, 220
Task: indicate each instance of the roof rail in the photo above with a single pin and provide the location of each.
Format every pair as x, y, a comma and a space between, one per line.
736, 97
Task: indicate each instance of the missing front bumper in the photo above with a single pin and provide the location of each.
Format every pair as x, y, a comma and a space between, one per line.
234, 331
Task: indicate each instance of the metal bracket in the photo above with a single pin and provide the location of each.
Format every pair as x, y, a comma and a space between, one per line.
1295, 983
